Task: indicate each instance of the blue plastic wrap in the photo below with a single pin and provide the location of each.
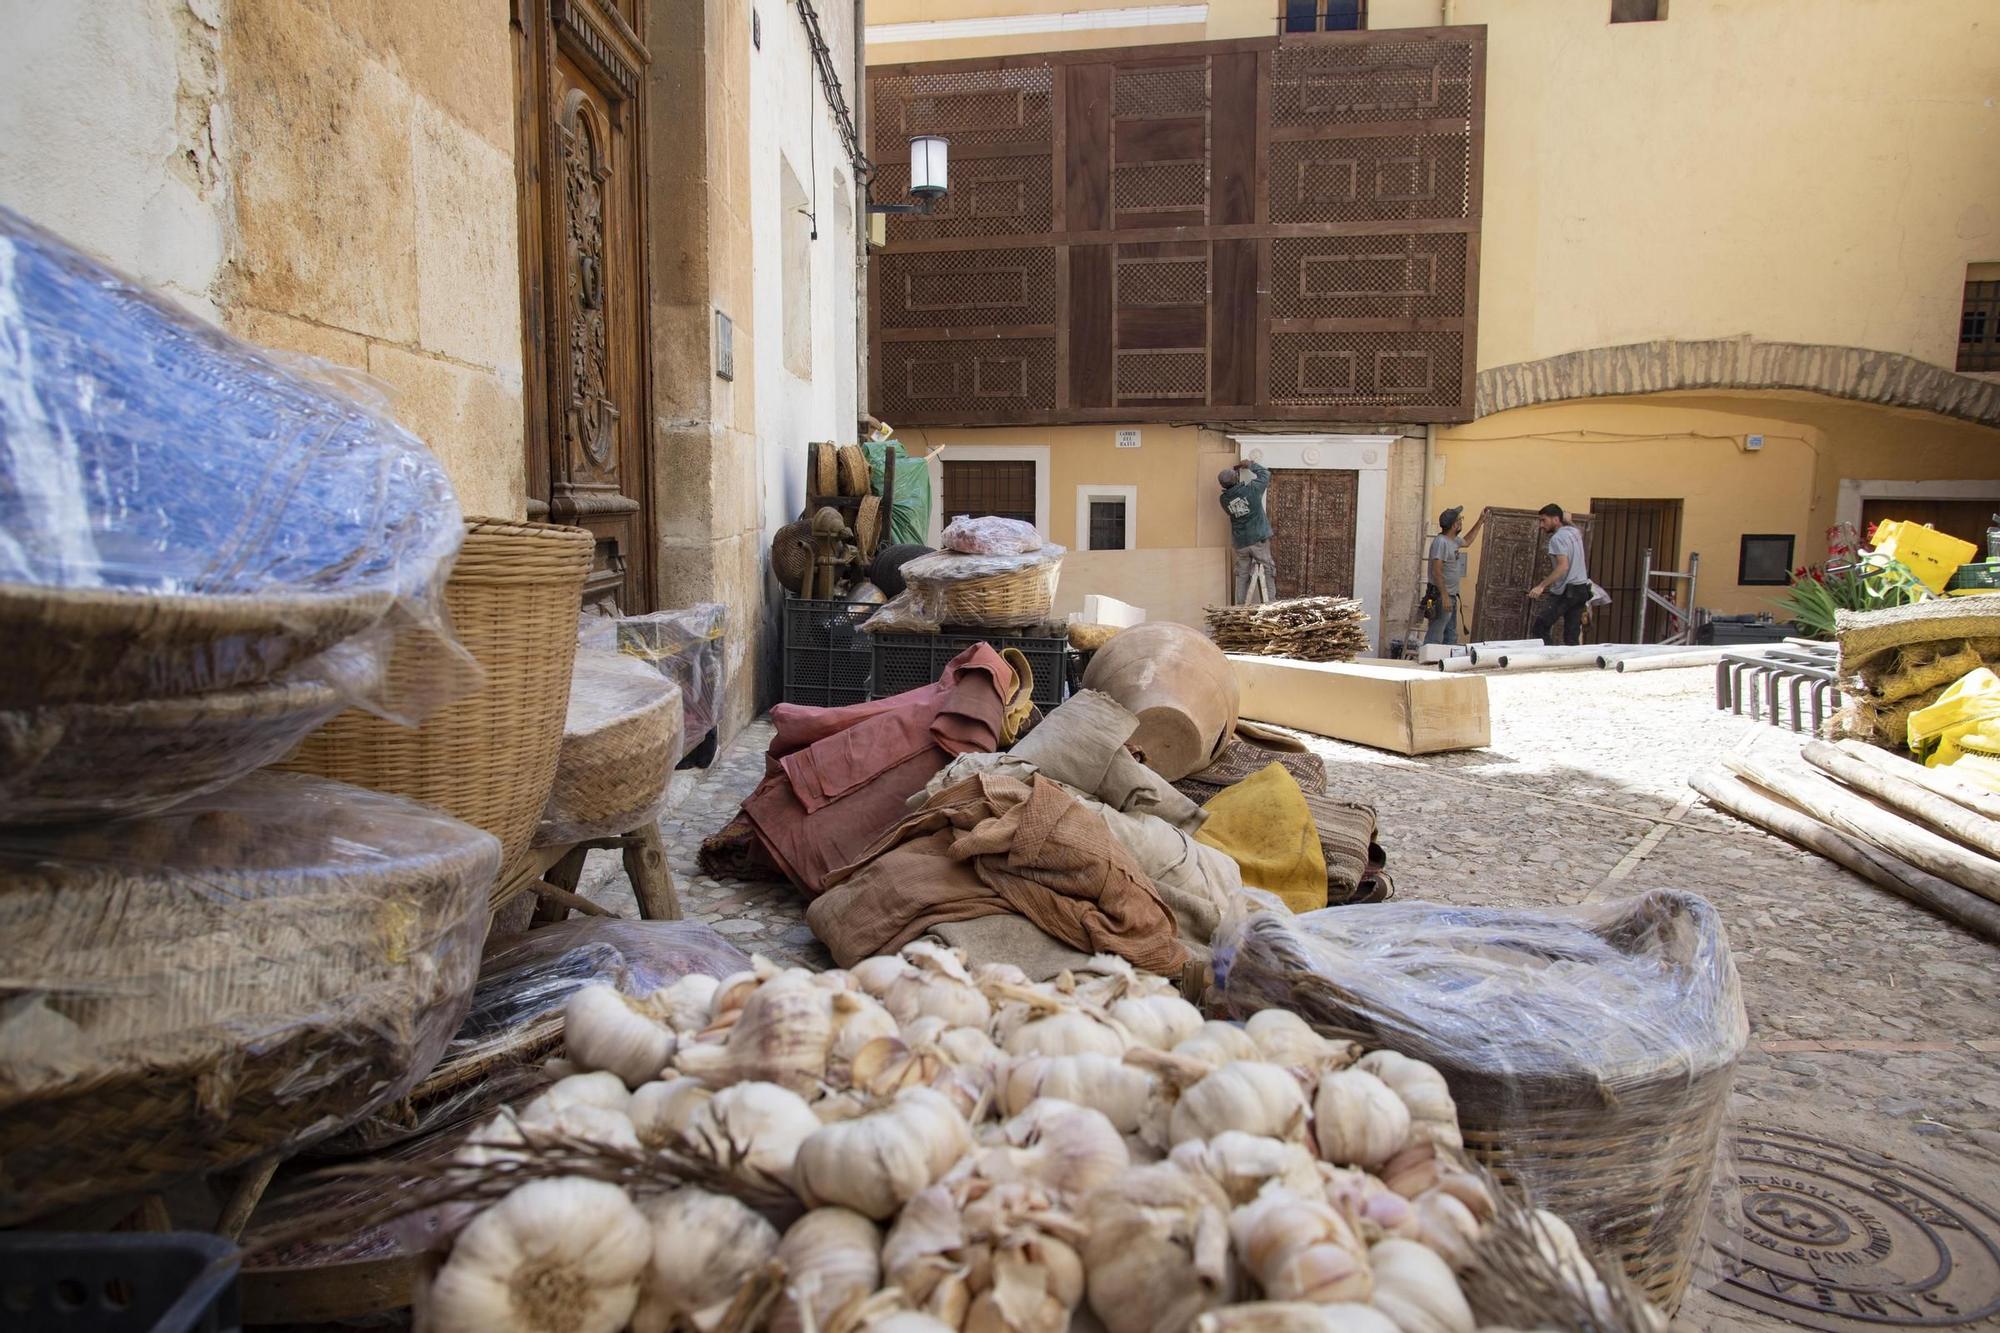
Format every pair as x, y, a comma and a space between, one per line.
181, 512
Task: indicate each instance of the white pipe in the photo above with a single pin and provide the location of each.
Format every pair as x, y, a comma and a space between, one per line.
1690, 658
1611, 654
1494, 647
1463, 664
1564, 658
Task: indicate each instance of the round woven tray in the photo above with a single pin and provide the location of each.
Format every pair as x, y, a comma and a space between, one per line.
83, 761
852, 466
619, 748
251, 970
100, 645
999, 601
488, 758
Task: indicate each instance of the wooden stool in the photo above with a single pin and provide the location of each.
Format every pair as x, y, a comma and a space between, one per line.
645, 864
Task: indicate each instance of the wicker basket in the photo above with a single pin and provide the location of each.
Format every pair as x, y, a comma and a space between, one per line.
490, 758
620, 744
249, 971
88, 761
101, 645
1009, 599
1610, 1114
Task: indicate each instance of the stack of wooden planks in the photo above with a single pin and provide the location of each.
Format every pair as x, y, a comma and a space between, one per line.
1310, 629
1919, 832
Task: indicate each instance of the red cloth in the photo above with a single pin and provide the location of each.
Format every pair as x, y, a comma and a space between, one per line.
837, 779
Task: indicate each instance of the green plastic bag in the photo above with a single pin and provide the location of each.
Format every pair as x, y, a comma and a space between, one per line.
910, 515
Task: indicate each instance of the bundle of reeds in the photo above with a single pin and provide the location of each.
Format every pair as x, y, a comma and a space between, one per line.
1312, 629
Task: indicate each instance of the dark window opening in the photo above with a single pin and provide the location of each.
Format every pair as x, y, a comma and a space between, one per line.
1107, 525
1638, 11
976, 488
1979, 325
1765, 560
1323, 16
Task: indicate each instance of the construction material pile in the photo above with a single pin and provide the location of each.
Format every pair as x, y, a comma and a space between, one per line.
1312, 629
1898, 662
908, 1145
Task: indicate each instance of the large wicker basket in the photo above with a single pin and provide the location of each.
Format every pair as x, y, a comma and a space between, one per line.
1605, 1100
249, 971
86, 761
1005, 598
489, 758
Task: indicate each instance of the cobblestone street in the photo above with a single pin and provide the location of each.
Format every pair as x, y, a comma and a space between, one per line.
1874, 1025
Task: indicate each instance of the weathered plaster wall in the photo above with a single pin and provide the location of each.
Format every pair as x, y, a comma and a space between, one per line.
334, 178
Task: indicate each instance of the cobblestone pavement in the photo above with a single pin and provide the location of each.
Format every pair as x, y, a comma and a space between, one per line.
1873, 1023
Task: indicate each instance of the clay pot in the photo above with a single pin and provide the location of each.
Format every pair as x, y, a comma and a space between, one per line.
1178, 684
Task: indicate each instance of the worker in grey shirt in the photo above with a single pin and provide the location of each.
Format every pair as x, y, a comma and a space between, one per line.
1566, 591
1446, 570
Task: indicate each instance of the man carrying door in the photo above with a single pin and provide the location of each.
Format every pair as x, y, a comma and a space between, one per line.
1566, 591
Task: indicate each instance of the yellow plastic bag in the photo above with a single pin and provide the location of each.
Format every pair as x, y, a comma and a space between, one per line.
1262, 824
1971, 704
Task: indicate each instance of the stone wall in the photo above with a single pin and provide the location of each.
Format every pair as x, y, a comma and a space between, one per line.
334, 178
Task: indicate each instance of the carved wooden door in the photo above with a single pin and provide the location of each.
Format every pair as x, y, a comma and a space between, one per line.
1513, 556
583, 275
1312, 530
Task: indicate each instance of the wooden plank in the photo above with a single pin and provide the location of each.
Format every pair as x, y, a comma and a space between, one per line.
1475, 208
1393, 324
1087, 148
1178, 53
1333, 131
1233, 346
1184, 139
1405, 710
1187, 220
1192, 233
1232, 148
1145, 328
961, 333
1090, 326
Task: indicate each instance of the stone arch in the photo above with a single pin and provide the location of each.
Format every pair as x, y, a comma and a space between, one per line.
1887, 378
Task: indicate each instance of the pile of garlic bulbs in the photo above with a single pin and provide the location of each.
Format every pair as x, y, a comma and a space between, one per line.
972, 1151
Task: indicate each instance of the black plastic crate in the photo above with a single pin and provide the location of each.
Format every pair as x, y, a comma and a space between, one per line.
906, 661
828, 660
121, 1282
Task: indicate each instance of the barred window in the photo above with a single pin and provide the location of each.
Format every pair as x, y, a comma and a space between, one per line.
975, 488
1979, 320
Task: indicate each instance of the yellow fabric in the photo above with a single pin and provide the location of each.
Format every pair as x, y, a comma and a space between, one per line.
1971, 706
1014, 713
1262, 824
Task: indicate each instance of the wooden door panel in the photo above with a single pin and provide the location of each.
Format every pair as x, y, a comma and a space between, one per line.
1621, 533
1312, 530
584, 196
1513, 556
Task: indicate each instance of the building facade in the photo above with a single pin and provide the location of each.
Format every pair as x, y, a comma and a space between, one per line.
600, 254
1731, 292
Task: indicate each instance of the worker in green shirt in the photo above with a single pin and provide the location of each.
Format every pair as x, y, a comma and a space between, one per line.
1243, 488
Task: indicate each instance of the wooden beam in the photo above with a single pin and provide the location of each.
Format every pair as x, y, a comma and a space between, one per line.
1940, 780
1913, 799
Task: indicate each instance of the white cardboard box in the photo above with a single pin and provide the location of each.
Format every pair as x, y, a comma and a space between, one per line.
1410, 710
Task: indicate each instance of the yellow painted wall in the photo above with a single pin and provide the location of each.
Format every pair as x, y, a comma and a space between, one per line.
1690, 447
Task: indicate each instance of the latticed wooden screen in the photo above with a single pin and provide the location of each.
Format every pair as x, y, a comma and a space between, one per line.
1277, 229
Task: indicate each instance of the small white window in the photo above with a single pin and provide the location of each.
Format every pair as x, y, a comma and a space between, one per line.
1107, 518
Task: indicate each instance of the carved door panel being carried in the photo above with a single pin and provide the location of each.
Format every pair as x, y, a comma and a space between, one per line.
584, 284
1513, 556
1312, 530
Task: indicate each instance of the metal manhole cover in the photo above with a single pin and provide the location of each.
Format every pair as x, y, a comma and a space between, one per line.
1832, 1237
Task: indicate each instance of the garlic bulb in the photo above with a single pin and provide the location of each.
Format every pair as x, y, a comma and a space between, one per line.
757, 1126
1244, 1095
602, 1029
1422, 1166
781, 1036
663, 1111
875, 975
1218, 1043
988, 975
987, 1256
1242, 1164
1447, 1226
1283, 1038
1066, 1032
1370, 1207
1065, 1147
704, 1246
1433, 1113
1092, 1079
1156, 1249
961, 1046
554, 1256
731, 994
589, 1124
1299, 1249
600, 1088
1159, 1021
1415, 1288
687, 1005
831, 1256
1357, 1120
858, 1019
928, 981
1294, 1317
874, 1163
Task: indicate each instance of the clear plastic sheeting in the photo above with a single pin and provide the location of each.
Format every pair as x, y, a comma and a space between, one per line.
621, 741
685, 646
988, 590
515, 1022
1591, 1051
238, 977
181, 512
990, 535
